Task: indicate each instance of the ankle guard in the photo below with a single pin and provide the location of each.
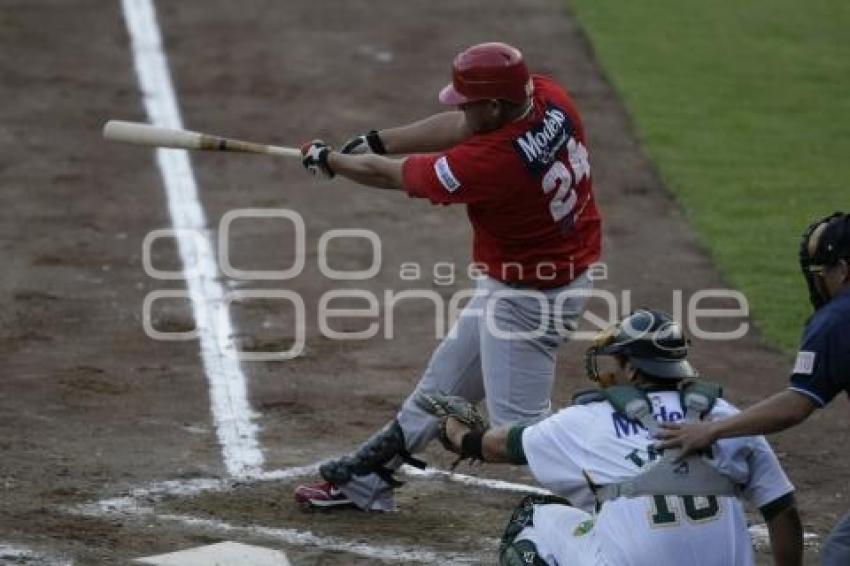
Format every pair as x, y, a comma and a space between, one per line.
372, 458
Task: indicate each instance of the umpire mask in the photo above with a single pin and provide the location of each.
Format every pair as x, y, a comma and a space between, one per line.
824, 243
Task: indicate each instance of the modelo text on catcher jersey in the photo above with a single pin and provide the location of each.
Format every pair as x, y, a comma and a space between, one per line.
528, 191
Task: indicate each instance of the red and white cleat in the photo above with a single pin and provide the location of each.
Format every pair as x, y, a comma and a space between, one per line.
323, 495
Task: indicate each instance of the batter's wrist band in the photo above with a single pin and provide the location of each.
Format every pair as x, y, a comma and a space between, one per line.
375, 143
471, 444
323, 160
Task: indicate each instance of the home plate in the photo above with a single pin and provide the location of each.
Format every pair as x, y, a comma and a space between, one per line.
221, 554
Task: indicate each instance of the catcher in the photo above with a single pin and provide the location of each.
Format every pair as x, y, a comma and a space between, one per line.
624, 502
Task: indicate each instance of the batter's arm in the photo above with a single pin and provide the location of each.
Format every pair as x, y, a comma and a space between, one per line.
430, 135
368, 169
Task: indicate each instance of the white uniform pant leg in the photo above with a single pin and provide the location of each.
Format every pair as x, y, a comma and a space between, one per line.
454, 369
520, 335
562, 536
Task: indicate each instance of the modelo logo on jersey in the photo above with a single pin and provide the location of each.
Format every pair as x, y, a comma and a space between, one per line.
539, 146
625, 427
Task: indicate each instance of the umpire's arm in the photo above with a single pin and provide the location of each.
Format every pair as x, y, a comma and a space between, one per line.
785, 530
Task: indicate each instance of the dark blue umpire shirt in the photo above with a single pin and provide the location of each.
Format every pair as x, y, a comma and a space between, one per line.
822, 369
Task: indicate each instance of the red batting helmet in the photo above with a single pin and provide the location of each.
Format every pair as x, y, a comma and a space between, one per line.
488, 71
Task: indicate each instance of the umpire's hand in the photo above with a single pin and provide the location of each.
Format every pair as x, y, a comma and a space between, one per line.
691, 438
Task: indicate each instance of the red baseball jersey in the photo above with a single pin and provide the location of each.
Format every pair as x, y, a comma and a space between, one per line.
528, 192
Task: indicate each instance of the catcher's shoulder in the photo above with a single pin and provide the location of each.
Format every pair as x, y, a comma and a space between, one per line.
723, 409
588, 396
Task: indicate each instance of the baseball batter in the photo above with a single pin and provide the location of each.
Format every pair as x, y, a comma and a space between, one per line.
585, 451
514, 153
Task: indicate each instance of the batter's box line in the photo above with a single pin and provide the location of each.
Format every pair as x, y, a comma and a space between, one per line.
140, 500
153, 492
285, 536
21, 555
133, 507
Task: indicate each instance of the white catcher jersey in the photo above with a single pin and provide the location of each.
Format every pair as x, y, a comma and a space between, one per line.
661, 531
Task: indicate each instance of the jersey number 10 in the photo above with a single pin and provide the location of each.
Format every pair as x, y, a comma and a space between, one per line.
562, 182
697, 509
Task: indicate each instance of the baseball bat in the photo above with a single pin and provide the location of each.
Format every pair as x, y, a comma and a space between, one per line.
144, 134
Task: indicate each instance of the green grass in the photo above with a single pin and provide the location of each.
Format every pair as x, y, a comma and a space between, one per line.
745, 108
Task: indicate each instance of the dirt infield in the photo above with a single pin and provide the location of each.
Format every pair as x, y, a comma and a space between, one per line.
92, 408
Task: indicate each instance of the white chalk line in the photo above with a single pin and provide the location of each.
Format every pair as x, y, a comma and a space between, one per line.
306, 538
157, 490
140, 502
761, 537
19, 555
232, 414
133, 506
474, 481
9, 551
231, 411
141, 499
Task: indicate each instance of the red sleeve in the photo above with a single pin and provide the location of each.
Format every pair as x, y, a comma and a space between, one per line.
456, 176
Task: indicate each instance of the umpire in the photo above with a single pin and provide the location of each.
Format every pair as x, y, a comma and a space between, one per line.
822, 369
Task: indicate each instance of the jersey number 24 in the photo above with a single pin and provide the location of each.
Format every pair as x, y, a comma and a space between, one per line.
562, 182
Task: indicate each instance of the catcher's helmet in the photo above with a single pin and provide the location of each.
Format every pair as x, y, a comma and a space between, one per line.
824, 242
650, 340
488, 71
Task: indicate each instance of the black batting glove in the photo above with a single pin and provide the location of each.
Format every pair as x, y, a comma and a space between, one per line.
369, 142
314, 158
